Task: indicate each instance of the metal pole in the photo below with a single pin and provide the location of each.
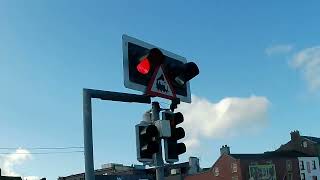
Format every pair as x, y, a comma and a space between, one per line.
89, 94
157, 158
88, 144
118, 96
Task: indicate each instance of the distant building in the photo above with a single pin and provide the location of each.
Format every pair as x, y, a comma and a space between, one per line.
284, 165
8, 177
305, 144
180, 170
114, 171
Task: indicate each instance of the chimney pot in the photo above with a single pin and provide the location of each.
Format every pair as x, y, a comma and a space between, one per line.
225, 150
295, 135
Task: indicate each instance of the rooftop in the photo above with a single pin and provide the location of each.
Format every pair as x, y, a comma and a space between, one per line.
271, 154
314, 139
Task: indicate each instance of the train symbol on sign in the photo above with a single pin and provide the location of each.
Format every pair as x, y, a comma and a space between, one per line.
162, 84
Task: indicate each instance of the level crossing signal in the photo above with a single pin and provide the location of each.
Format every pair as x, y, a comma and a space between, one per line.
147, 67
172, 147
142, 59
147, 142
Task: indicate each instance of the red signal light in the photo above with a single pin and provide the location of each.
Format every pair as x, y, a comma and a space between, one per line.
144, 66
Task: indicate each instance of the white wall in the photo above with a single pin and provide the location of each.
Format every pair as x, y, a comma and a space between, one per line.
309, 170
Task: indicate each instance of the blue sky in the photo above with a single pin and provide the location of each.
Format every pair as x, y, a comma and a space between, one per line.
50, 50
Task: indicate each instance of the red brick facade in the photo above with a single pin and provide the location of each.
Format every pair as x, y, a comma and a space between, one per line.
230, 168
280, 164
201, 176
219, 171
226, 167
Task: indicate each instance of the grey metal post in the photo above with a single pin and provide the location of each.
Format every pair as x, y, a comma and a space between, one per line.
88, 144
88, 94
157, 158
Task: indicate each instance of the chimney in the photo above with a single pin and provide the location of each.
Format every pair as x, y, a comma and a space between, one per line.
194, 165
295, 136
224, 150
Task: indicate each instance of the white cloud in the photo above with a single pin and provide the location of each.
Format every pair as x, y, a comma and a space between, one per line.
228, 117
10, 161
278, 49
308, 62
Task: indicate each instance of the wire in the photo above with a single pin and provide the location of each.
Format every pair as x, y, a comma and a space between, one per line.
41, 148
65, 152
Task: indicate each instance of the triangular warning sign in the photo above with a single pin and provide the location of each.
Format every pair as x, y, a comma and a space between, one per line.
159, 85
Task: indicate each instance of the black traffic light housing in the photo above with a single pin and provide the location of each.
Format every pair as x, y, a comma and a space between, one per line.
171, 145
178, 72
142, 63
141, 60
147, 140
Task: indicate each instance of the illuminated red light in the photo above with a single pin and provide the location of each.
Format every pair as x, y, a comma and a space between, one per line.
144, 66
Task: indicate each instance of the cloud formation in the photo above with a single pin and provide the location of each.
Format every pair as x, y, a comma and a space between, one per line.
308, 62
278, 49
228, 117
8, 162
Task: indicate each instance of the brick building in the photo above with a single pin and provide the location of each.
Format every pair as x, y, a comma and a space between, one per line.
269, 165
305, 144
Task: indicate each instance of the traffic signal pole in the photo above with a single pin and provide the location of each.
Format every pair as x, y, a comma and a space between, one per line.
88, 94
87, 132
158, 160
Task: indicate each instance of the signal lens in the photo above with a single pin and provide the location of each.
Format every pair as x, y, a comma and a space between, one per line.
144, 66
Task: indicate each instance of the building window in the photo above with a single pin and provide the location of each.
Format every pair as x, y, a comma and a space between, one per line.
289, 165
289, 176
234, 178
216, 171
309, 167
305, 144
314, 178
234, 167
302, 165
303, 176
175, 171
314, 166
